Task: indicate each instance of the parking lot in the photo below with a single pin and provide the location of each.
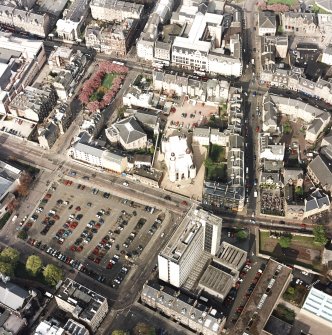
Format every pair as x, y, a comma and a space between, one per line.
92, 231
188, 116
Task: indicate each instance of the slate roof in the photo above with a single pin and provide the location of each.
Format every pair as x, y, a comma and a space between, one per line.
12, 295
316, 200
327, 140
129, 130
321, 169
88, 149
267, 20
292, 174
147, 117
270, 112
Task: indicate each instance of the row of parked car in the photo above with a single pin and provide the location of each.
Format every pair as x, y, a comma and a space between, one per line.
66, 259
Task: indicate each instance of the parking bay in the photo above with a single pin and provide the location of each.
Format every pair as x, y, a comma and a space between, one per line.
69, 201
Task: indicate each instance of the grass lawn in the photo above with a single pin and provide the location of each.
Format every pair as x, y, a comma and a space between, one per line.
302, 250
217, 153
283, 2
295, 295
108, 80
284, 313
305, 241
104, 87
297, 240
217, 172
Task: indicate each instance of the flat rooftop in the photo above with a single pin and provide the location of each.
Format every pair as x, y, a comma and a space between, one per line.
216, 280
231, 256
150, 174
262, 300
186, 231
82, 298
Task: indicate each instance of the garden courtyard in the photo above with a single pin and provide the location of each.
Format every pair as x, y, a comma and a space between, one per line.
101, 88
302, 250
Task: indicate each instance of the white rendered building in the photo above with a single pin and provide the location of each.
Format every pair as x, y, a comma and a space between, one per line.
178, 158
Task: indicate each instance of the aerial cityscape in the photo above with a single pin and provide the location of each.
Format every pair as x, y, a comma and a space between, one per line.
165, 167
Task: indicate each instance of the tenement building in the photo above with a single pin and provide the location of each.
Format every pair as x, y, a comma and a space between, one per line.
115, 10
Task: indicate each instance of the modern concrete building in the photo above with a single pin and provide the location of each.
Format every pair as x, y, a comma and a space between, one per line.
53, 328
200, 48
115, 10
198, 232
263, 299
216, 282
21, 60
84, 304
318, 304
230, 256
9, 178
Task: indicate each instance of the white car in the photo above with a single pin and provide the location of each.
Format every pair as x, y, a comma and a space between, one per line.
125, 184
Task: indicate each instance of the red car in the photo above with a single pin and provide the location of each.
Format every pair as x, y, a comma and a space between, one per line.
78, 208
257, 129
79, 248
184, 203
97, 260
73, 248
109, 265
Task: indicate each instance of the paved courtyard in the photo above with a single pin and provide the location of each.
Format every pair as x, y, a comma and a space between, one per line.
188, 116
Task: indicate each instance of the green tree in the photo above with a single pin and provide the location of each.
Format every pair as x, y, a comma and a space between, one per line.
144, 329
320, 235
298, 190
208, 162
52, 274
119, 332
285, 241
242, 235
33, 264
22, 235
10, 255
6, 269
